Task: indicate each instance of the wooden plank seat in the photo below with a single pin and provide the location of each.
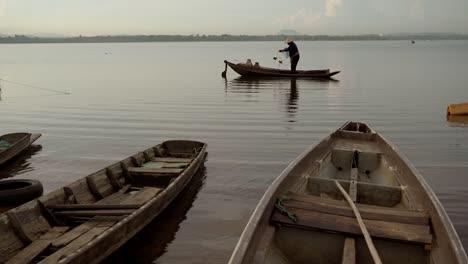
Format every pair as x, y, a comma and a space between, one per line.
64, 207
171, 159
154, 176
125, 197
159, 164
367, 193
120, 203
142, 171
340, 207
95, 212
307, 219
30, 252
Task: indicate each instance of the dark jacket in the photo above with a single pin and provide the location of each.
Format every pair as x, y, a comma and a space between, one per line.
293, 50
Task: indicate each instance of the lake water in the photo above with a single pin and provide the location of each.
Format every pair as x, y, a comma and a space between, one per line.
126, 97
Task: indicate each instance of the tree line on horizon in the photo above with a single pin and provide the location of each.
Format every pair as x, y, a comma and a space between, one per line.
225, 37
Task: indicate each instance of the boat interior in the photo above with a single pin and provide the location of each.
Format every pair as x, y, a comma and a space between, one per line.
313, 223
63, 221
9, 140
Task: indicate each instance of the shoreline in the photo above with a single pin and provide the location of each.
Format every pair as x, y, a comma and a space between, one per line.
22, 39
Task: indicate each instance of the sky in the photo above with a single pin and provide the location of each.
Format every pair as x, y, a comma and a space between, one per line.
250, 17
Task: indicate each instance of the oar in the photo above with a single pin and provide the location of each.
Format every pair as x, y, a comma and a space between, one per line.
367, 237
223, 74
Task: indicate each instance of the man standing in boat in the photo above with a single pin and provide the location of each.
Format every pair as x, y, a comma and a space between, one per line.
293, 53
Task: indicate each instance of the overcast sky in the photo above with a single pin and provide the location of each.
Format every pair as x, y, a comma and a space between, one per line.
253, 17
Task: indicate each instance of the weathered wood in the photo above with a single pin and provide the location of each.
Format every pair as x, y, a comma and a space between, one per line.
82, 192
26, 255
154, 171
19, 142
353, 184
336, 207
48, 214
362, 226
141, 197
95, 212
160, 151
171, 160
113, 179
64, 207
18, 228
78, 242
93, 188
349, 251
70, 196
368, 193
348, 225
78, 202
146, 156
125, 173
74, 233
116, 197
136, 161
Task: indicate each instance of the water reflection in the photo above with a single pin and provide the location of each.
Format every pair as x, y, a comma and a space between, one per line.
152, 241
291, 105
457, 120
19, 164
250, 89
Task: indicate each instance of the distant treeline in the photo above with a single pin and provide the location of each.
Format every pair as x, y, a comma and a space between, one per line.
224, 37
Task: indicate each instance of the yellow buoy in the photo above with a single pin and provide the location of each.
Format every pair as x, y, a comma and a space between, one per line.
457, 109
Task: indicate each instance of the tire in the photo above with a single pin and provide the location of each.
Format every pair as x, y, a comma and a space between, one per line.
19, 191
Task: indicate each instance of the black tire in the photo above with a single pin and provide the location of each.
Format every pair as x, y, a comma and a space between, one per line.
19, 191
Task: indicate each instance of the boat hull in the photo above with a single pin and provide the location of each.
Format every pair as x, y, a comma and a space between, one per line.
110, 198
254, 71
19, 141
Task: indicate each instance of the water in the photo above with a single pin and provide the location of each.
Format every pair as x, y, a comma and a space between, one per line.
126, 97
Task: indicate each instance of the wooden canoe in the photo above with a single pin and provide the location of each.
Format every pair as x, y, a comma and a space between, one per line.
303, 218
18, 142
90, 218
258, 71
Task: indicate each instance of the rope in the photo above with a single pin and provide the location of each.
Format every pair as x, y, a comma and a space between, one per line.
283, 210
34, 87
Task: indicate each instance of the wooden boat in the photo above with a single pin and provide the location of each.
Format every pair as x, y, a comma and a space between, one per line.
90, 218
457, 109
306, 216
14, 144
258, 71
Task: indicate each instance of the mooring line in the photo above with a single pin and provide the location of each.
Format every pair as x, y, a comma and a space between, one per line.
34, 87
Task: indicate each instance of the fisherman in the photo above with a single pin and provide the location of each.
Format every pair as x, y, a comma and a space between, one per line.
293, 53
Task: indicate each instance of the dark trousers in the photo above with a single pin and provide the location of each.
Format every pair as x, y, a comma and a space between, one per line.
294, 61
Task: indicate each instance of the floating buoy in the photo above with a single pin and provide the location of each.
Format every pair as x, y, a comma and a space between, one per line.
457, 109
